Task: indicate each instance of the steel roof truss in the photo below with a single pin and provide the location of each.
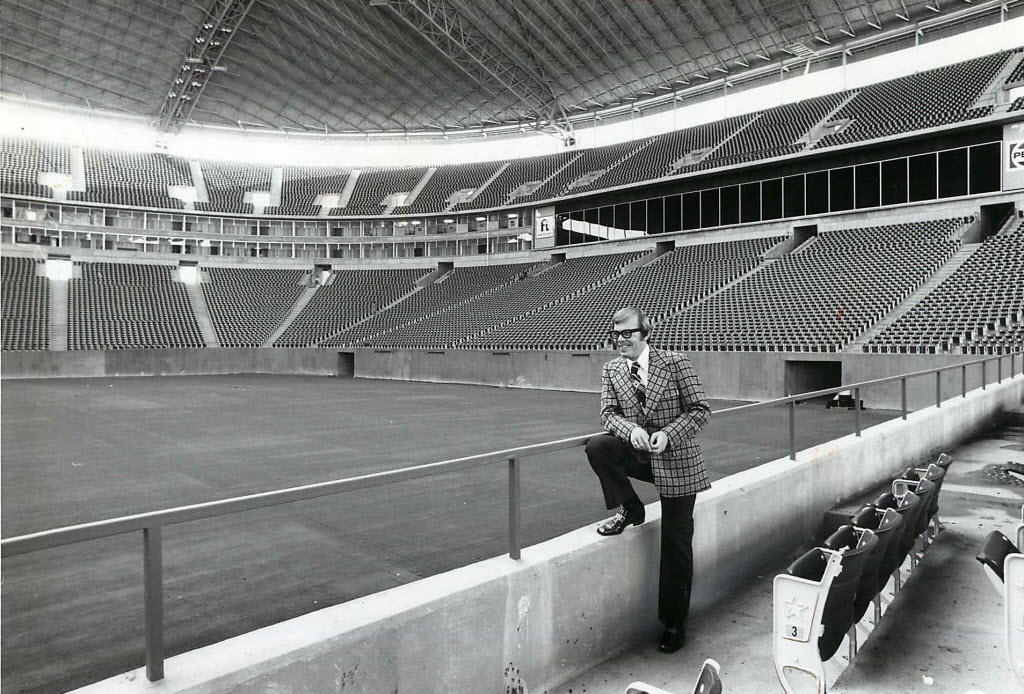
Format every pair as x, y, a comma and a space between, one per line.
212, 38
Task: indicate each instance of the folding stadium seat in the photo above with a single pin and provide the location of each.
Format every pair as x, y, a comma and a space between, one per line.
859, 551
798, 608
909, 506
887, 525
1003, 563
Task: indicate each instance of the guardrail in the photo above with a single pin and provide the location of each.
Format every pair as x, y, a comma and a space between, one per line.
151, 523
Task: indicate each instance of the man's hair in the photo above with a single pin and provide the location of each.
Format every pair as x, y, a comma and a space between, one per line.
624, 314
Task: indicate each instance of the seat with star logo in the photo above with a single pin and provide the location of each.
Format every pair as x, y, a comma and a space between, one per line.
1003, 563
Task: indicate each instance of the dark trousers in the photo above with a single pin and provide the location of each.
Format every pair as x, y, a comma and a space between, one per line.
615, 461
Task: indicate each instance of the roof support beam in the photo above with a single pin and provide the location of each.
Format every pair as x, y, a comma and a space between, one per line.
442, 25
205, 51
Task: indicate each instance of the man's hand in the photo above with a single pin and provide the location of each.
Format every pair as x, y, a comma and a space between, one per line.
639, 439
659, 441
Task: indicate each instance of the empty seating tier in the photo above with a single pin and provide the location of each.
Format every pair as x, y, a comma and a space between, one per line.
300, 186
129, 306
453, 289
247, 305
26, 302
458, 323
227, 184
774, 133
820, 297
23, 159
346, 298
139, 179
676, 279
374, 186
985, 294
928, 99
447, 181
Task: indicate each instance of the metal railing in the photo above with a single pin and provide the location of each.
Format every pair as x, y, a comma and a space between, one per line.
152, 523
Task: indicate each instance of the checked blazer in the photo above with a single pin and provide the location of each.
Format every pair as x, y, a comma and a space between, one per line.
676, 404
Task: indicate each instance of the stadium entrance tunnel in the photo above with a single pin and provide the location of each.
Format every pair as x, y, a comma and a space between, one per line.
346, 364
804, 376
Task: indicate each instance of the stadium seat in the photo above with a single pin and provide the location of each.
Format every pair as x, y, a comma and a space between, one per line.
1003, 563
887, 525
799, 599
858, 548
709, 681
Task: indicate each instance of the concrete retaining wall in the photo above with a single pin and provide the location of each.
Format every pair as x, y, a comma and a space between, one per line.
574, 601
175, 362
725, 375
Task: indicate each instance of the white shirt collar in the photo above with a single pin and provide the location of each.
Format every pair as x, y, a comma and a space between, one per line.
644, 361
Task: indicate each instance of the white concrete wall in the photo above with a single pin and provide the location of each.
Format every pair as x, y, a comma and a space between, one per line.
573, 601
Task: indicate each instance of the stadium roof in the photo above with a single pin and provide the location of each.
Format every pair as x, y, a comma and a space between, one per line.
414, 66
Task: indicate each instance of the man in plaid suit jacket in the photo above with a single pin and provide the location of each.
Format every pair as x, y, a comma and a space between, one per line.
653, 405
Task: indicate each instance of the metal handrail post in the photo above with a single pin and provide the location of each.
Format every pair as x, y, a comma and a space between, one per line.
856, 410
792, 430
938, 389
514, 491
153, 597
963, 381
903, 396
983, 364
999, 368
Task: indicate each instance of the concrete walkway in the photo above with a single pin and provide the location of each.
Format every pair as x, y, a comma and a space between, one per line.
944, 631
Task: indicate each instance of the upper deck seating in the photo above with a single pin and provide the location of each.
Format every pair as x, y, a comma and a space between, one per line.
518, 173
925, 100
23, 159
676, 279
26, 304
984, 294
465, 320
139, 179
349, 296
374, 185
660, 159
774, 133
129, 306
300, 186
248, 304
448, 180
227, 183
454, 289
589, 161
820, 297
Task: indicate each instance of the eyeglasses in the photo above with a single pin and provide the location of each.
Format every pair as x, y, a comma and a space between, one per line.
624, 334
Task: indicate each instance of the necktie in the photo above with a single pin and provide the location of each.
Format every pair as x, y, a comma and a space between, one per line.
638, 385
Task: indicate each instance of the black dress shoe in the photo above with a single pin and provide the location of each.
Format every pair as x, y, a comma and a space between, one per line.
621, 520
672, 640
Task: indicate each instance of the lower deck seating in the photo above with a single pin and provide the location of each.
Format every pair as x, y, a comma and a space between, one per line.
823, 598
668, 283
348, 297
820, 297
248, 304
26, 305
129, 306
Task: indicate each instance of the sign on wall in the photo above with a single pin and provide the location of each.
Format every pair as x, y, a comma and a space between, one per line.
1013, 156
544, 227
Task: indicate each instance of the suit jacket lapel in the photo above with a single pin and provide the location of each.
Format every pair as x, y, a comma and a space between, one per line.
657, 379
627, 392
